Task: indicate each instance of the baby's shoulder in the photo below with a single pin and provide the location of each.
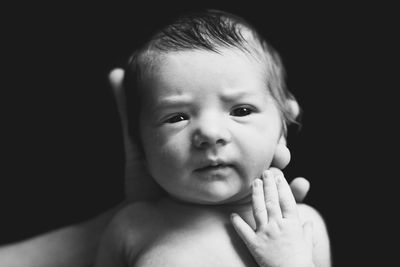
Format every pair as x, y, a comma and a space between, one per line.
309, 213
133, 224
127, 232
135, 217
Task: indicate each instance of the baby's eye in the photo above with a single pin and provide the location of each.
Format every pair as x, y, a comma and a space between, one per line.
176, 118
241, 111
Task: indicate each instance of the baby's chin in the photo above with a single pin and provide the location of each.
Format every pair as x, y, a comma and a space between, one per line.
217, 199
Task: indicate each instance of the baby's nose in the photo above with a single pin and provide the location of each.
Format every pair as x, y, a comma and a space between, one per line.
211, 132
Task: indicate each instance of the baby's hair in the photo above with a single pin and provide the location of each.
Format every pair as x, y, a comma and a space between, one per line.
208, 30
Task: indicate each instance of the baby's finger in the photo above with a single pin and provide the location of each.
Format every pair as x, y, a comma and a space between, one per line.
286, 198
245, 232
271, 197
259, 209
275, 171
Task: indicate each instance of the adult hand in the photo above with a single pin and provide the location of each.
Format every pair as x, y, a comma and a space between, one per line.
138, 183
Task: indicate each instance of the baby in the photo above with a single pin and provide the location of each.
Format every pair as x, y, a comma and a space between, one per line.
207, 104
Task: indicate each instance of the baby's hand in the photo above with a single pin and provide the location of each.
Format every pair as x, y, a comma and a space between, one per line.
280, 239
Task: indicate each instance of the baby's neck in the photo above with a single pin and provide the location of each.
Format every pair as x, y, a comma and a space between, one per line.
241, 207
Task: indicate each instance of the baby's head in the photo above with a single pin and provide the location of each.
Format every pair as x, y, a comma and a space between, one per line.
207, 103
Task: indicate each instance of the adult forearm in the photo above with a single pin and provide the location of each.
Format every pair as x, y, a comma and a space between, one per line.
71, 246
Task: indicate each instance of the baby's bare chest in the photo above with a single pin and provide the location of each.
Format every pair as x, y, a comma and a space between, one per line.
198, 244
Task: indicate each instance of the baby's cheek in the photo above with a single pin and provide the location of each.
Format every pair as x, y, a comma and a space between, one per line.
166, 159
260, 158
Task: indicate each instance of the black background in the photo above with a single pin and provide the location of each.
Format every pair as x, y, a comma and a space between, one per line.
62, 154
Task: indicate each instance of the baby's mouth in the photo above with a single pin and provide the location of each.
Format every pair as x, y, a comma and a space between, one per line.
215, 167
212, 167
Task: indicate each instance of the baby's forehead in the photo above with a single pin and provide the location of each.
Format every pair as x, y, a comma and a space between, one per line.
228, 72
159, 61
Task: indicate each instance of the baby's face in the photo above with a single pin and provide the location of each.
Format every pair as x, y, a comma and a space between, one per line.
208, 124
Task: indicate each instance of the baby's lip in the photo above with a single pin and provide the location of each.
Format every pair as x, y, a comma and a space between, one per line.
214, 163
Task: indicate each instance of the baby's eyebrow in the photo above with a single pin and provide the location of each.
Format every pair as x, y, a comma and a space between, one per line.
232, 96
171, 102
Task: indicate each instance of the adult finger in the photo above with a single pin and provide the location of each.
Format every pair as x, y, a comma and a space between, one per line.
300, 187
116, 78
282, 156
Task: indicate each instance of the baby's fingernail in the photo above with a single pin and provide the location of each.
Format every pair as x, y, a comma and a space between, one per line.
234, 215
267, 174
257, 183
